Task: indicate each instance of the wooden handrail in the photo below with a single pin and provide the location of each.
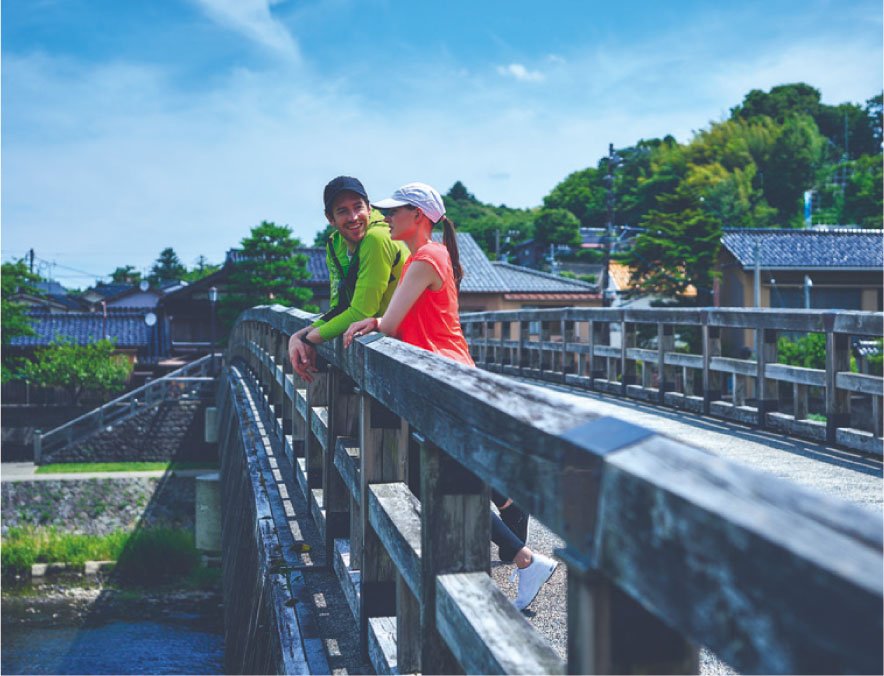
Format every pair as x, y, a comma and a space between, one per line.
633, 371
770, 576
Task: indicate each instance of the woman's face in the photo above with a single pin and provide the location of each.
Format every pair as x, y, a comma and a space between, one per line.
403, 222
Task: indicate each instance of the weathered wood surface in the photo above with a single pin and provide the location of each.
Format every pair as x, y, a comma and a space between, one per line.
767, 574
395, 515
712, 549
484, 630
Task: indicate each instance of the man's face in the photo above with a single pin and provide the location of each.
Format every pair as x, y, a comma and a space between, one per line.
350, 214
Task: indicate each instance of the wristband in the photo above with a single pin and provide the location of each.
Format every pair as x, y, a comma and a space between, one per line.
307, 340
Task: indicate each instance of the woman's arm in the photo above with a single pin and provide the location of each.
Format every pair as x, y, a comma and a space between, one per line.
419, 276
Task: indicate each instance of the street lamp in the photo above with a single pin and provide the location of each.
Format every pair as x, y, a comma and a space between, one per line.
213, 300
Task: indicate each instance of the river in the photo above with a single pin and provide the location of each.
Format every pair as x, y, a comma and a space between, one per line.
73, 629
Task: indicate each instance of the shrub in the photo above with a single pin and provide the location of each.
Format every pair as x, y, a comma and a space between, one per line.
808, 351
157, 555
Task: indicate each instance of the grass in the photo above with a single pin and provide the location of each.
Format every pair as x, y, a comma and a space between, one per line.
89, 467
149, 557
23, 547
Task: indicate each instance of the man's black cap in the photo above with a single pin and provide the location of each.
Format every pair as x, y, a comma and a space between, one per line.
340, 184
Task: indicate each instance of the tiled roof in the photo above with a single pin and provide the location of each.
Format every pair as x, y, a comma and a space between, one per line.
108, 291
125, 326
479, 275
526, 280
316, 264
835, 248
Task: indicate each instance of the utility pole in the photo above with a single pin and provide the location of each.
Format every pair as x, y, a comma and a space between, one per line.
31, 256
497, 243
757, 275
613, 161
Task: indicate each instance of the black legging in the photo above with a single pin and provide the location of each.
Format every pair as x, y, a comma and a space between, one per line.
508, 544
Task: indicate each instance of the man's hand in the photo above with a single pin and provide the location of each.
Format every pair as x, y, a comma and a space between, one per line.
303, 356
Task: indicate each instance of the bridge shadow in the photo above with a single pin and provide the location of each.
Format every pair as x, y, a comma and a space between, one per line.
831, 455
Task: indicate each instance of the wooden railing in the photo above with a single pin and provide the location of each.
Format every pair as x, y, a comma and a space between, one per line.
667, 547
601, 349
172, 385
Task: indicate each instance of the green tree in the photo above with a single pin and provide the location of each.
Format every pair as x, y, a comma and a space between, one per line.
485, 222
557, 226
16, 279
678, 247
808, 351
792, 166
863, 203
201, 269
79, 368
167, 268
126, 275
267, 273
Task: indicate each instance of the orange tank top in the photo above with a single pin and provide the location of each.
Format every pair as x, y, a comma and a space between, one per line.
433, 322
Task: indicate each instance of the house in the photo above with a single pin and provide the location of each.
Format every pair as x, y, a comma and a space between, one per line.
186, 312
126, 327
497, 285
141, 295
840, 267
52, 297
822, 268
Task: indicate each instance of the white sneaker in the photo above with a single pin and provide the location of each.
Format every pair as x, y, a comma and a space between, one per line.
531, 579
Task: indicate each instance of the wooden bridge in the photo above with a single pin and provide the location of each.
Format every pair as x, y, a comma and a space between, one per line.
667, 547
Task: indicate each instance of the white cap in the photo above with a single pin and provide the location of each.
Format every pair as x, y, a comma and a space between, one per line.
420, 195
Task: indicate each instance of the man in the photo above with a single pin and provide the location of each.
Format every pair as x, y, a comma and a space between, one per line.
364, 265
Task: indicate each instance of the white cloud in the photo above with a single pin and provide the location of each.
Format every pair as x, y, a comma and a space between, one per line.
519, 72
253, 19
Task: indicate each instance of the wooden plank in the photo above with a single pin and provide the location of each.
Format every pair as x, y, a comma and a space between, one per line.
744, 563
805, 321
870, 324
860, 382
319, 424
347, 462
485, 632
641, 354
348, 577
743, 367
395, 515
382, 644
796, 374
455, 530
693, 361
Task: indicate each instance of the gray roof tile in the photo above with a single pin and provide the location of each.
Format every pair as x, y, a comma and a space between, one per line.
835, 248
125, 326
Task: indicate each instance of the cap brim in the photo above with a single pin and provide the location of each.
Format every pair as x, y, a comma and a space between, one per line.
389, 203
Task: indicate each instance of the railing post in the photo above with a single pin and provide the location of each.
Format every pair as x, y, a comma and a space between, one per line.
609, 633
520, 350
627, 340
665, 343
766, 392
317, 396
711, 348
837, 359
455, 532
343, 421
382, 459
38, 447
799, 401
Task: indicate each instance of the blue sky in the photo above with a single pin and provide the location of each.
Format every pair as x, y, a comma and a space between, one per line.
128, 127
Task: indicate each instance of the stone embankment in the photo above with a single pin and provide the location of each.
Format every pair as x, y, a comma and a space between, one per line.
100, 506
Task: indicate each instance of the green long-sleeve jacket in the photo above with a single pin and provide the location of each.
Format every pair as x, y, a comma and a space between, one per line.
375, 282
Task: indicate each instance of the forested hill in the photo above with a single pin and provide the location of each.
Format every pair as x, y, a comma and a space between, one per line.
750, 170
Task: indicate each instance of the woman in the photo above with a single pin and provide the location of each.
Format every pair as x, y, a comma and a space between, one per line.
424, 312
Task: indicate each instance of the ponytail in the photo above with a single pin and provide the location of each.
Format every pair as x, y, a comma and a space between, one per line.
450, 240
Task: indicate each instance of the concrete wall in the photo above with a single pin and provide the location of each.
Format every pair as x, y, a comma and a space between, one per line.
99, 506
